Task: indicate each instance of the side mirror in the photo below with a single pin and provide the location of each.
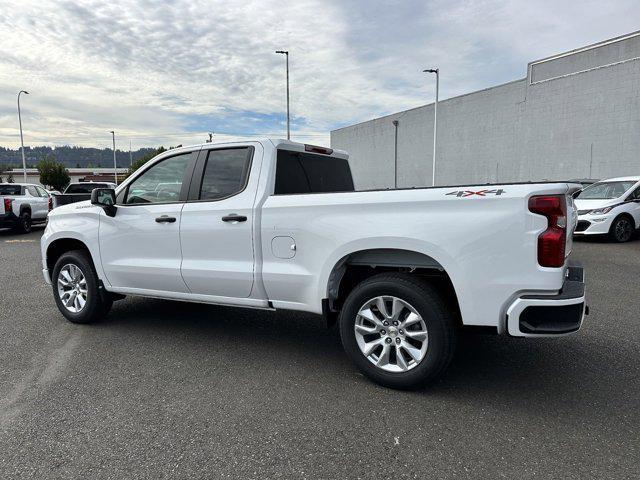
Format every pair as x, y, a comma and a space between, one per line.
105, 198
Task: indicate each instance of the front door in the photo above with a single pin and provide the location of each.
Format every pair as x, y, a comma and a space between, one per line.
140, 245
216, 230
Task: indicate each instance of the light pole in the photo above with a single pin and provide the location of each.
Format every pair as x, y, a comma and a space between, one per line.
24, 162
286, 54
395, 155
435, 122
115, 167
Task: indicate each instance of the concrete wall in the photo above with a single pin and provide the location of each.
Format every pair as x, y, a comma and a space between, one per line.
576, 115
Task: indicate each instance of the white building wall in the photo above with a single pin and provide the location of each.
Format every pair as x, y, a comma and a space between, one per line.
576, 115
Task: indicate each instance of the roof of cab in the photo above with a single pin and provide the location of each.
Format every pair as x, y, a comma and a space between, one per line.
278, 143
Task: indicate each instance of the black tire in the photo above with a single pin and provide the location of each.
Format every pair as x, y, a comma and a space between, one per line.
427, 302
24, 222
98, 302
621, 229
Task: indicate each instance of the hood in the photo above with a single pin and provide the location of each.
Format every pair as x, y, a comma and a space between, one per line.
72, 208
595, 203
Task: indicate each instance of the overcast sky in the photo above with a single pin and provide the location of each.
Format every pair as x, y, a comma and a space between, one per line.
168, 72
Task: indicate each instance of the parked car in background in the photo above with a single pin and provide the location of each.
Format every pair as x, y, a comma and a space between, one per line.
609, 207
276, 224
77, 192
23, 204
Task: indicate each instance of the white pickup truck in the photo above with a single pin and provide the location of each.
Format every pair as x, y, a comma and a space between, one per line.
22, 205
275, 224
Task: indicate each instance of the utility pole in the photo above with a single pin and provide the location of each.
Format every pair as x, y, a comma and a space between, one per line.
130, 157
24, 162
115, 167
435, 122
286, 53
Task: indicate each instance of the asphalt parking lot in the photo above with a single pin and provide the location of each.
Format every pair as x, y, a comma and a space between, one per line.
169, 390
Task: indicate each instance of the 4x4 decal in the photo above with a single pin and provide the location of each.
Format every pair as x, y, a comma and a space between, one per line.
479, 193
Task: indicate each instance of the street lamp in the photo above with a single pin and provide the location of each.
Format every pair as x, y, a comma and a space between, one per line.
286, 53
115, 167
24, 162
435, 122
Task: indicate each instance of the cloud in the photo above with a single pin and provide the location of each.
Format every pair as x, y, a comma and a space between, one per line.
170, 72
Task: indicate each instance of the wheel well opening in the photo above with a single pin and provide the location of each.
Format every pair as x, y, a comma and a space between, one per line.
357, 267
61, 246
630, 217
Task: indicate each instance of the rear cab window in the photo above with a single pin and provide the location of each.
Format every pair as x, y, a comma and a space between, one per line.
10, 190
302, 172
83, 188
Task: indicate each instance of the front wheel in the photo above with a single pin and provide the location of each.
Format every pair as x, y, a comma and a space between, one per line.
621, 229
397, 330
76, 289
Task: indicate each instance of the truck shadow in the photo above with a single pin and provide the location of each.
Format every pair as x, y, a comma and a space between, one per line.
523, 374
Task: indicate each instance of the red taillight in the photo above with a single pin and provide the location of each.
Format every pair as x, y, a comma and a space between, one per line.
551, 242
50, 203
7, 205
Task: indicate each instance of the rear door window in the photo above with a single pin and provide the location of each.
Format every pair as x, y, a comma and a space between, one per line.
299, 172
225, 173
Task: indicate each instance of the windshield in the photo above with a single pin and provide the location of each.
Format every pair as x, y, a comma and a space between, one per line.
605, 190
10, 189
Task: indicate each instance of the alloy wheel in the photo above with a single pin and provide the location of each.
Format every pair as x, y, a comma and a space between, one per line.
391, 334
72, 288
623, 230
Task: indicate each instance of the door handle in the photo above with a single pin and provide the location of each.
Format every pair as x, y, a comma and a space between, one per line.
165, 219
234, 217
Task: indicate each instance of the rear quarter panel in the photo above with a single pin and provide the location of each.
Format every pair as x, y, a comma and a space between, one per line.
486, 244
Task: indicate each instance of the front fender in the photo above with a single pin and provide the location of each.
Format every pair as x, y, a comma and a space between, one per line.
80, 226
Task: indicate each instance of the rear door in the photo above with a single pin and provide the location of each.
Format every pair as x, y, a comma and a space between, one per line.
140, 245
45, 197
39, 205
216, 231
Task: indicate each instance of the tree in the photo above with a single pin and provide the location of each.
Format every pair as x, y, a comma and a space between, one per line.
53, 173
144, 159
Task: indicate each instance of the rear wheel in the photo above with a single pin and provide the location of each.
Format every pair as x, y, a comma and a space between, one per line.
24, 222
621, 229
397, 330
76, 289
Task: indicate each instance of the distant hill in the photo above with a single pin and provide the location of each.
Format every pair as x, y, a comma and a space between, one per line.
71, 156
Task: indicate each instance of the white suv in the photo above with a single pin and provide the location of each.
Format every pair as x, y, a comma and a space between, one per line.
609, 207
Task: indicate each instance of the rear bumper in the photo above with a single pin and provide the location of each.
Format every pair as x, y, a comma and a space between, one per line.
8, 220
550, 315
